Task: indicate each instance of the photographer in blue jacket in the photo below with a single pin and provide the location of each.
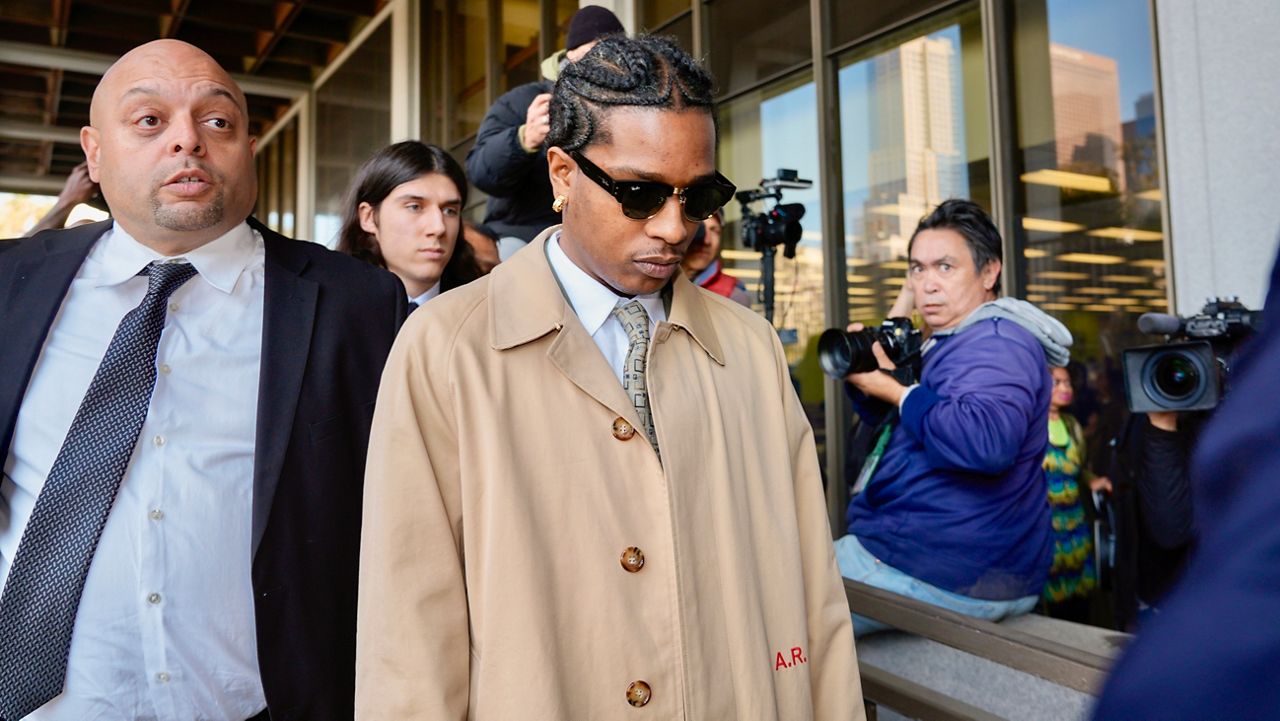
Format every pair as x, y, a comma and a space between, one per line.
954, 511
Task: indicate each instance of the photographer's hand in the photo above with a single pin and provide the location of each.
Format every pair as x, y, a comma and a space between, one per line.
878, 384
905, 304
1164, 420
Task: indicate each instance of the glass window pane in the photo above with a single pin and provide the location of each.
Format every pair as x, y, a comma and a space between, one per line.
760, 133
658, 12
1088, 192
520, 61
681, 29
869, 18
753, 40
469, 27
353, 120
914, 131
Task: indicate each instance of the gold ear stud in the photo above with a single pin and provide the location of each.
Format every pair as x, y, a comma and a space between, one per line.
558, 205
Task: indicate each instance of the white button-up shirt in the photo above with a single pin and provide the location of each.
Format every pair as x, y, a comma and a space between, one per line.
593, 302
165, 627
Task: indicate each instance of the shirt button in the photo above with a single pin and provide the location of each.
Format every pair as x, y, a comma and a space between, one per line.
153, 598
173, 307
639, 693
165, 369
158, 440
632, 559
162, 677
622, 429
156, 514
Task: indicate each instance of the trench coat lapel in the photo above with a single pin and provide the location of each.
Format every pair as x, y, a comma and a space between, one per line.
289, 310
527, 304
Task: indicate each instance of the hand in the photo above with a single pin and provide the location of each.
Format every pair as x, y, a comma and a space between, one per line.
78, 188
878, 383
905, 303
1100, 483
537, 122
1164, 420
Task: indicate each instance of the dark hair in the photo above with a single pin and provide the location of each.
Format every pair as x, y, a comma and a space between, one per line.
973, 224
389, 168
646, 71
480, 228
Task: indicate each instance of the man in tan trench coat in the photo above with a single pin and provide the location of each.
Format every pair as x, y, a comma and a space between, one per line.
591, 492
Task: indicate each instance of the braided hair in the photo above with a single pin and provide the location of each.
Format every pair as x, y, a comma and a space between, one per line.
646, 71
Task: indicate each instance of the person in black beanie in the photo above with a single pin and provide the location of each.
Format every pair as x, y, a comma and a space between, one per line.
508, 160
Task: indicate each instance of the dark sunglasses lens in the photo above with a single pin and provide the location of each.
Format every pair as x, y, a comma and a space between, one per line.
641, 202
701, 201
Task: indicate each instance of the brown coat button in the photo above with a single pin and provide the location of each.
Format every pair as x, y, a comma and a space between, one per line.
639, 693
632, 559
622, 429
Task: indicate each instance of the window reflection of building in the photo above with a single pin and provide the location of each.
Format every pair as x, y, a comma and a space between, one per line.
914, 132
1086, 112
915, 143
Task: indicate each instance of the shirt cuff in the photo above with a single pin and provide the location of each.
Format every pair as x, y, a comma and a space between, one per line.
903, 400
520, 140
922, 399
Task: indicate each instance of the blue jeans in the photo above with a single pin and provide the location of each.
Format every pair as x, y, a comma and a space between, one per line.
856, 563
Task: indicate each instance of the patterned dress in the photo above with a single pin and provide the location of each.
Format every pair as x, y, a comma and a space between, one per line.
1073, 574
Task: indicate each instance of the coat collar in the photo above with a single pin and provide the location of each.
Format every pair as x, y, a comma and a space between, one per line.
526, 303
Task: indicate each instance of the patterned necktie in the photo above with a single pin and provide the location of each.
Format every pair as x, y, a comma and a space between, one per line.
635, 321
47, 575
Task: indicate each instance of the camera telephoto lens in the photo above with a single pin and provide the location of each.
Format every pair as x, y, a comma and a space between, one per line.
1176, 377
841, 353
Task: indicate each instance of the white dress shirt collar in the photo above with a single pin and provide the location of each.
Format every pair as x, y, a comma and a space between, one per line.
592, 300
432, 292
220, 262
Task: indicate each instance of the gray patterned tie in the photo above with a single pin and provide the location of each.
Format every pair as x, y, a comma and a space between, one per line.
47, 575
635, 321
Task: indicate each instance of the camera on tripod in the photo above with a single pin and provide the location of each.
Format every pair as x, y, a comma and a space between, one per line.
779, 225
1188, 372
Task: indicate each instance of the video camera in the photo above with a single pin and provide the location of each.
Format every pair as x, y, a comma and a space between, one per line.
779, 225
1188, 372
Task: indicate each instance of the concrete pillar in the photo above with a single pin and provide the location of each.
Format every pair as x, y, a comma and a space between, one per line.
1220, 100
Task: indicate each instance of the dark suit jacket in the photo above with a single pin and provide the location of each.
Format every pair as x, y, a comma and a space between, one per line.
329, 322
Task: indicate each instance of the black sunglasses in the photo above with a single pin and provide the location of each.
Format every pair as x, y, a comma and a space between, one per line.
642, 199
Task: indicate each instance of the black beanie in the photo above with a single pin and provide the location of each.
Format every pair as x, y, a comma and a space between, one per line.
591, 23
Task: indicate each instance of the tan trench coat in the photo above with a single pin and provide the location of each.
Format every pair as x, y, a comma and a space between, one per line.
500, 504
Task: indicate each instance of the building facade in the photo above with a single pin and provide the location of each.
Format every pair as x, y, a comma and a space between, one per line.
1124, 147
1054, 114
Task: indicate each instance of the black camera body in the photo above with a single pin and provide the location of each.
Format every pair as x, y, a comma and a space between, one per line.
1188, 372
779, 225
841, 352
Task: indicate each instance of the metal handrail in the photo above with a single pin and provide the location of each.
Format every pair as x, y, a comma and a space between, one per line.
914, 700
1054, 662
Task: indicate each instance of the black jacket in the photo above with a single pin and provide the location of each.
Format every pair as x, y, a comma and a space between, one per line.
328, 324
517, 182
1150, 474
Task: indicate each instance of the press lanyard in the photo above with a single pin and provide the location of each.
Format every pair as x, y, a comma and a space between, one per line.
873, 460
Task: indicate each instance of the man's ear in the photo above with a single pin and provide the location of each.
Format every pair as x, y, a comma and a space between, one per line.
89, 143
991, 275
561, 167
368, 219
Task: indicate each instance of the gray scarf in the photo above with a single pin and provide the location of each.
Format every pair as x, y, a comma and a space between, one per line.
1052, 334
